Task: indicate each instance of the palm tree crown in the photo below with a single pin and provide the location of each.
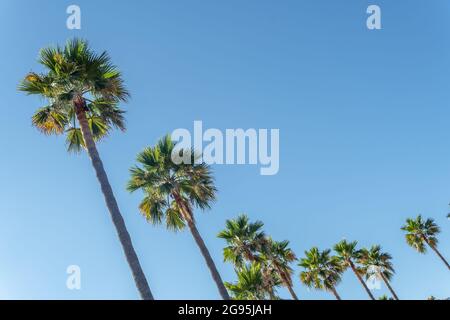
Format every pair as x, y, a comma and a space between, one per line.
420, 232
170, 189
245, 240
322, 271
347, 252
76, 77
374, 262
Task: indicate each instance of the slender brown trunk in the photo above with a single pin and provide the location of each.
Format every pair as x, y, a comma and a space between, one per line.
439, 254
287, 282
209, 261
333, 290
291, 291
111, 203
272, 295
361, 280
204, 250
386, 281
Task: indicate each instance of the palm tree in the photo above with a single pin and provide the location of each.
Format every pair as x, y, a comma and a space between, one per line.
83, 90
172, 190
322, 271
245, 241
419, 233
279, 256
348, 254
251, 284
377, 263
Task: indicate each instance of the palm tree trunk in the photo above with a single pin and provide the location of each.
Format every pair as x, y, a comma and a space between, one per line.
287, 282
439, 254
291, 291
201, 244
209, 261
386, 281
111, 203
333, 290
272, 295
361, 280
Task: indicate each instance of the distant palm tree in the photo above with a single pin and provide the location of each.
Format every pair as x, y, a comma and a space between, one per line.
279, 256
348, 254
251, 284
172, 190
245, 241
83, 90
419, 233
378, 264
322, 271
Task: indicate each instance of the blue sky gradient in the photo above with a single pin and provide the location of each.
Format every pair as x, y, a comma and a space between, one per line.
364, 140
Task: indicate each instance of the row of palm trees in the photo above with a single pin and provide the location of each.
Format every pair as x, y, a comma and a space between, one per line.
262, 264
83, 91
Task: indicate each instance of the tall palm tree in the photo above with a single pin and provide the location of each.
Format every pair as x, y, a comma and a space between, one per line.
378, 264
83, 90
348, 254
420, 232
251, 284
245, 241
322, 271
279, 256
172, 191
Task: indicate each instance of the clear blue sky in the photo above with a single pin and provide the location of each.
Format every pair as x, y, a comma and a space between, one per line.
363, 117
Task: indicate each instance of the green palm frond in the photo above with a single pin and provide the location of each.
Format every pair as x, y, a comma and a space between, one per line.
74, 140
109, 112
98, 127
152, 208
174, 221
35, 84
49, 121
